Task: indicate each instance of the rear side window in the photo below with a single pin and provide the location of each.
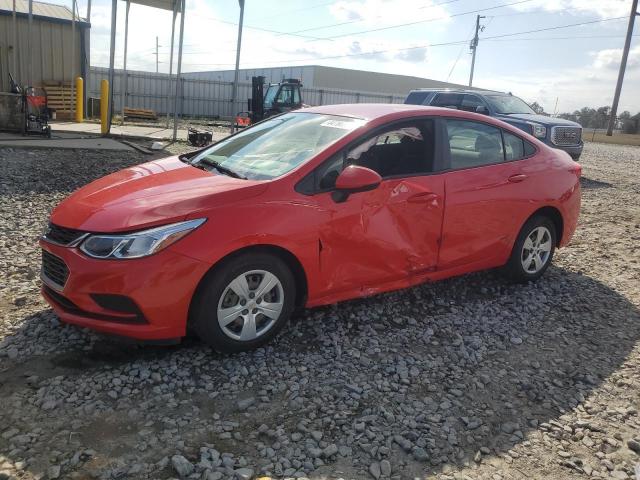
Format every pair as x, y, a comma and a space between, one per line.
470, 103
416, 98
515, 148
448, 100
473, 144
529, 149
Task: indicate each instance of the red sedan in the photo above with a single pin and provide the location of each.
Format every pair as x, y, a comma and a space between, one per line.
304, 209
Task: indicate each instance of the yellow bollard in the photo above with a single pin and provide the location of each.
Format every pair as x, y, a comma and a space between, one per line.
79, 100
104, 106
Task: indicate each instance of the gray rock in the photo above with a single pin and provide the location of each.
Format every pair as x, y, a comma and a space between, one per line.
182, 466
244, 404
374, 470
634, 445
53, 472
330, 450
419, 454
244, 473
385, 468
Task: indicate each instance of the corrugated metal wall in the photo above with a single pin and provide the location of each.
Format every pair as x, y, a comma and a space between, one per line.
208, 98
50, 55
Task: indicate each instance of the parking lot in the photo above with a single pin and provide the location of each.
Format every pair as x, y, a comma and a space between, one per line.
466, 378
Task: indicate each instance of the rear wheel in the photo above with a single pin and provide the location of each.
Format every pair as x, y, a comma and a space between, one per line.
533, 250
244, 302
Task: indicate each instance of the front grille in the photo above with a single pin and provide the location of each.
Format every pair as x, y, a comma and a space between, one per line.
62, 235
566, 136
54, 269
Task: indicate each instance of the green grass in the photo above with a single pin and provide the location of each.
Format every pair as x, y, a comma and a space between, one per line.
616, 138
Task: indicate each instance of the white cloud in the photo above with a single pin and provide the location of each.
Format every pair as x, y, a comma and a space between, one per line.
573, 88
610, 58
601, 8
387, 12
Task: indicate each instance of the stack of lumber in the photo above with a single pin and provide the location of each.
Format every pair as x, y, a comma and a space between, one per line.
140, 113
61, 97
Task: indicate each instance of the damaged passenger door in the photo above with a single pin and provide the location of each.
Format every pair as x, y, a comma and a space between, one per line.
391, 232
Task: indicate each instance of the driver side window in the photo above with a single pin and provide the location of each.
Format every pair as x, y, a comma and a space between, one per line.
407, 149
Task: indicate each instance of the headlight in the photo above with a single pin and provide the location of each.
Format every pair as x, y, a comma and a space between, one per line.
139, 244
537, 130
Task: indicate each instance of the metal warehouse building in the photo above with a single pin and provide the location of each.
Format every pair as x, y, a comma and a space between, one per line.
47, 52
321, 77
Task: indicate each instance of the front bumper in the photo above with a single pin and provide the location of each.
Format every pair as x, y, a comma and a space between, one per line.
159, 288
574, 150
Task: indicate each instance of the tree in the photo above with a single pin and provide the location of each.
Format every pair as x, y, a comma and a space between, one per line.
536, 107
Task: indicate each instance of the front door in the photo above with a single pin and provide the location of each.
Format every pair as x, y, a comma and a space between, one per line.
392, 232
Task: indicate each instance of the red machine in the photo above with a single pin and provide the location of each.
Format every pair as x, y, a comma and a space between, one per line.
34, 107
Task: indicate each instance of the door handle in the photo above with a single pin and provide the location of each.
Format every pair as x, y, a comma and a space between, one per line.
422, 197
517, 178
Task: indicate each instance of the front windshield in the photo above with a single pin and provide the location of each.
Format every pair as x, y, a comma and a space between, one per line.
274, 147
270, 96
506, 104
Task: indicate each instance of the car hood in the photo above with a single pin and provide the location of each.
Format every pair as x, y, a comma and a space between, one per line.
542, 119
153, 193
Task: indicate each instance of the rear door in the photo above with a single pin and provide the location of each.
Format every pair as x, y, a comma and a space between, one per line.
488, 189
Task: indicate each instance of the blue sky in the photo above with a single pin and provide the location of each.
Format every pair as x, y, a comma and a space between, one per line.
577, 65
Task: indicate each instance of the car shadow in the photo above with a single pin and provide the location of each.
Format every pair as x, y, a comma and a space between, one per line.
588, 183
448, 369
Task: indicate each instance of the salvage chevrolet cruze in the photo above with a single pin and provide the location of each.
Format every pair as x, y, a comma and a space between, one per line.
305, 209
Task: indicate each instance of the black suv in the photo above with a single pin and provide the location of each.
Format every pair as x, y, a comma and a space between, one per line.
555, 132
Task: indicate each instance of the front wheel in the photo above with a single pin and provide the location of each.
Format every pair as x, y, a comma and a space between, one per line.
533, 250
244, 302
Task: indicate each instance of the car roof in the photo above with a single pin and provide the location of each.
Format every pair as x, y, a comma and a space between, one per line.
372, 111
459, 90
377, 113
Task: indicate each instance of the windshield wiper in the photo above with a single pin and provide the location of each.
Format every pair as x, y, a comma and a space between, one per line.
220, 168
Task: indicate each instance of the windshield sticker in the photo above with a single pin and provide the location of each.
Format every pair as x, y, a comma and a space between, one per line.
342, 124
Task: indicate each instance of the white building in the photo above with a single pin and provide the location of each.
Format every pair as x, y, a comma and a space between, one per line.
321, 77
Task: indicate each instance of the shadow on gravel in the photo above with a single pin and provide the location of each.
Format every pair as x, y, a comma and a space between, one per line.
588, 183
434, 373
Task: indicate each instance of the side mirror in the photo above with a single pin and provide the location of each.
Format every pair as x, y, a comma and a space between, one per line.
354, 179
482, 109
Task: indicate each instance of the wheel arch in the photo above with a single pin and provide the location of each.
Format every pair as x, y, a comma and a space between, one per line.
283, 254
555, 216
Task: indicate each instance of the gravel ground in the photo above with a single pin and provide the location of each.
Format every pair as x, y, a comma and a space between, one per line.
469, 378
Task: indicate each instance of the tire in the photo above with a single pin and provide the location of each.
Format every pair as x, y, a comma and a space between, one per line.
532, 254
259, 318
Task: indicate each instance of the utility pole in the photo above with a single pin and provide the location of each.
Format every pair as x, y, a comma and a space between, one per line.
235, 77
623, 66
474, 46
157, 56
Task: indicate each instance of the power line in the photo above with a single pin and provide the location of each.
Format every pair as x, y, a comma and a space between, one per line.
322, 27
442, 44
315, 39
389, 27
312, 7
554, 38
459, 55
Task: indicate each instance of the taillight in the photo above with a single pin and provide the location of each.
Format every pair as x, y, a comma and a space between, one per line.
577, 169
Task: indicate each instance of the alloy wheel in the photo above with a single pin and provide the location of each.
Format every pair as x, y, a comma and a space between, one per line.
536, 250
250, 305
